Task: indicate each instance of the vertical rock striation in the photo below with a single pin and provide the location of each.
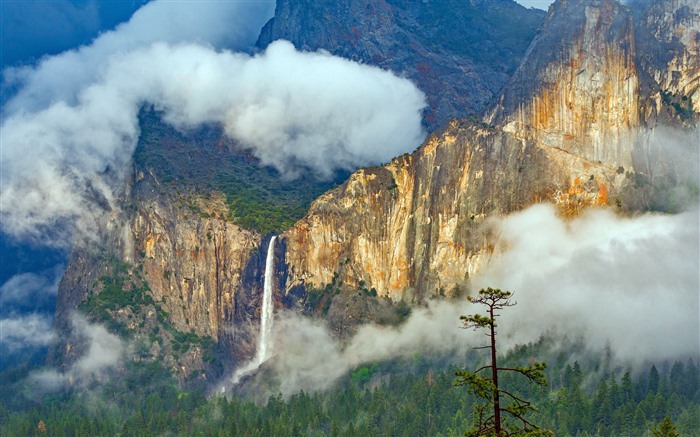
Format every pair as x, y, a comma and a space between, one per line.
577, 89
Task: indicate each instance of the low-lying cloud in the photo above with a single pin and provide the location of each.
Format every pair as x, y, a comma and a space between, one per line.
19, 331
70, 130
630, 283
634, 282
307, 356
105, 352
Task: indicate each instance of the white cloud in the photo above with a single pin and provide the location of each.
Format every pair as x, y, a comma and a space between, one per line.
632, 282
30, 289
70, 131
105, 352
301, 341
26, 330
219, 24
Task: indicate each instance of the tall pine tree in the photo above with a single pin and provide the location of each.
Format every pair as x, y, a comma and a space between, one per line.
503, 414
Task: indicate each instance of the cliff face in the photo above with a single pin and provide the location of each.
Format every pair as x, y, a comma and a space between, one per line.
459, 53
577, 89
412, 228
195, 278
193, 264
668, 37
565, 130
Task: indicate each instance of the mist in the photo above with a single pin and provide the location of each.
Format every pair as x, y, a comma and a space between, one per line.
627, 283
307, 357
104, 353
26, 306
632, 282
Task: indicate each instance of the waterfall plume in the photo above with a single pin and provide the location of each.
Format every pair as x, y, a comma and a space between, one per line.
266, 320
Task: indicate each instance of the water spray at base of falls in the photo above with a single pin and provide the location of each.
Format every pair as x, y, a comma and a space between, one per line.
266, 320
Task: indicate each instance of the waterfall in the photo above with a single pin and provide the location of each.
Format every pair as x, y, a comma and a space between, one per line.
264, 342
266, 319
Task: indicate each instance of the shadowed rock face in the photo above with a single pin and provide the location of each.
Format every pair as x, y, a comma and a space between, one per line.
577, 89
460, 53
668, 60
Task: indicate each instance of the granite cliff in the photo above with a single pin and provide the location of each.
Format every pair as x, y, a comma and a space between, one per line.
578, 124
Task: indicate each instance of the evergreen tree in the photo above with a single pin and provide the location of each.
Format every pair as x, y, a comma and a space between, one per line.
677, 377
653, 379
665, 429
488, 419
627, 387
692, 381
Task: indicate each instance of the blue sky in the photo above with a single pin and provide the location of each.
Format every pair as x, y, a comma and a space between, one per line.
31, 29
539, 4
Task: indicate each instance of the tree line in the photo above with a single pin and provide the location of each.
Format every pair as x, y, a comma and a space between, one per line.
392, 399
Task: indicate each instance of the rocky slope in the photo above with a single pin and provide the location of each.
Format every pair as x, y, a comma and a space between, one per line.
459, 53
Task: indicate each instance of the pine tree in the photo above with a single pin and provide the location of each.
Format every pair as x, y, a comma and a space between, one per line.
665, 429
692, 380
677, 377
627, 387
653, 379
488, 417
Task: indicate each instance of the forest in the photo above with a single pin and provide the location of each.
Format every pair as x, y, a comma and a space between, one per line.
586, 397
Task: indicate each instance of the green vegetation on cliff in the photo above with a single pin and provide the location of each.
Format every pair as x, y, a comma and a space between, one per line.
122, 302
204, 159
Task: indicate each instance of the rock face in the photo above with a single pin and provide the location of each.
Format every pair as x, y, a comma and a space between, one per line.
460, 53
565, 129
412, 228
203, 275
194, 265
577, 90
668, 41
